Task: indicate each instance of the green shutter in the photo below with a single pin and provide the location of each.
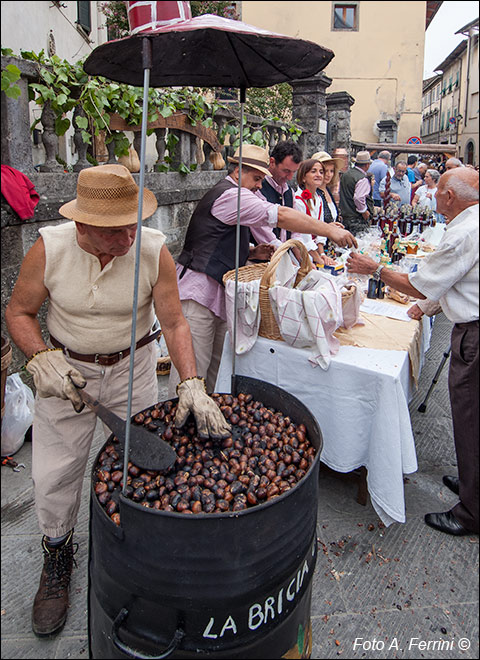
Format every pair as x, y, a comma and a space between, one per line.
84, 16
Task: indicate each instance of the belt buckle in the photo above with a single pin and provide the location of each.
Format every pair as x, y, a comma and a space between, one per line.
110, 359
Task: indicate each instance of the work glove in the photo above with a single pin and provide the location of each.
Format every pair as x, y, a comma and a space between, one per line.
193, 398
53, 376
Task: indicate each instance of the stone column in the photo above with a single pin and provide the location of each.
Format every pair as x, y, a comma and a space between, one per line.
15, 118
339, 114
387, 130
310, 110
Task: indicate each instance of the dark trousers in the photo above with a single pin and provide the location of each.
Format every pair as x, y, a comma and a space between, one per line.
464, 399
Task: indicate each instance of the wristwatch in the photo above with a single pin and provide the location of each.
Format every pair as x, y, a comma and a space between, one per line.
376, 274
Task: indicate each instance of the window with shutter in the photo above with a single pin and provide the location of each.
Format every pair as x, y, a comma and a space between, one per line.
84, 16
345, 15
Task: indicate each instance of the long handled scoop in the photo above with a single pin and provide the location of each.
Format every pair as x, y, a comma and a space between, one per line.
147, 450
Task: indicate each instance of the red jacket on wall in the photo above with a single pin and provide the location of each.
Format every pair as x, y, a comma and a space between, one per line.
19, 192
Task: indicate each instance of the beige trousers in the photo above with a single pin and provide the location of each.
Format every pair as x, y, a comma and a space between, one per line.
62, 438
208, 332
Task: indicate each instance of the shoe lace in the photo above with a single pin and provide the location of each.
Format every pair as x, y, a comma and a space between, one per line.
58, 567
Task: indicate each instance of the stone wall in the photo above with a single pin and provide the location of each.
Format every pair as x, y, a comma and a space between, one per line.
177, 197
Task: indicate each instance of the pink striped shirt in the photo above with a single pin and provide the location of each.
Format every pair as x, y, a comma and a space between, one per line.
256, 213
362, 189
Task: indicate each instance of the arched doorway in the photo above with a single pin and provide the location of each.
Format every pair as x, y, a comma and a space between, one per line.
470, 153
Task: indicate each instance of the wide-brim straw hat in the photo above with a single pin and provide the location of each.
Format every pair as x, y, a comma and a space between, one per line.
253, 156
363, 158
324, 157
107, 196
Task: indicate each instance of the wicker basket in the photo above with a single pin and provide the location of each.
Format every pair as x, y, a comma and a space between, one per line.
265, 272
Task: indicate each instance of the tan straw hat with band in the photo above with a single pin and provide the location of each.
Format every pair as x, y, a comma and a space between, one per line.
324, 157
107, 196
253, 156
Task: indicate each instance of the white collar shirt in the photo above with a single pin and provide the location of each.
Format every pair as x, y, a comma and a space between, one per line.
450, 274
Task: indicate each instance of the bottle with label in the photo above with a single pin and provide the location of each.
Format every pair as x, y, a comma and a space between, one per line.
393, 240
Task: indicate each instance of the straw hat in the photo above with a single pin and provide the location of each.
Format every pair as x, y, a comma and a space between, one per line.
253, 156
325, 157
107, 196
363, 158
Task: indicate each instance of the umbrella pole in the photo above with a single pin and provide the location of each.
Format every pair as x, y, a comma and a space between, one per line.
237, 241
147, 65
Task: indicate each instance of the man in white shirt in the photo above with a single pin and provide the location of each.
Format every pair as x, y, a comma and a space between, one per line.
450, 276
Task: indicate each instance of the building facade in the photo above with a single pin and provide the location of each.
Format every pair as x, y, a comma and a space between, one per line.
431, 102
70, 30
379, 51
468, 141
451, 99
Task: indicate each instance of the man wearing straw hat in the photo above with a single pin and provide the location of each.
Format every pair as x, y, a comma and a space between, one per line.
86, 270
356, 202
209, 251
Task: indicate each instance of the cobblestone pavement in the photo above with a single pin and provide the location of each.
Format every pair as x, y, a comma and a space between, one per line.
406, 591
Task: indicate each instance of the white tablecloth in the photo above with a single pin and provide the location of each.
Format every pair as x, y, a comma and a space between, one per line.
360, 403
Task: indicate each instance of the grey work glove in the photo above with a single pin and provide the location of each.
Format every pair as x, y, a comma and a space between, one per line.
53, 376
193, 398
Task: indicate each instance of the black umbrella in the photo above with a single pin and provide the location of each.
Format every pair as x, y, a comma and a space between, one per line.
206, 51
209, 51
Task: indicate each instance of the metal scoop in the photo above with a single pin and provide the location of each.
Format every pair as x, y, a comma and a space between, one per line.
147, 450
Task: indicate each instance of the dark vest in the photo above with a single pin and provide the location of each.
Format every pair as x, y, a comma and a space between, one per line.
271, 195
210, 244
349, 180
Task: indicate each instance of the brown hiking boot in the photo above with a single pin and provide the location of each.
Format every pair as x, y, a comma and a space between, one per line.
51, 600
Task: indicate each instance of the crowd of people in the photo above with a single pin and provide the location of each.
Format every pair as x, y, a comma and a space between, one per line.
85, 268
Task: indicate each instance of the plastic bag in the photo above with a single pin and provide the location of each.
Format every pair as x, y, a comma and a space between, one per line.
18, 415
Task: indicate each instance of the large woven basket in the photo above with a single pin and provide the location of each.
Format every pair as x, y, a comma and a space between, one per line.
265, 272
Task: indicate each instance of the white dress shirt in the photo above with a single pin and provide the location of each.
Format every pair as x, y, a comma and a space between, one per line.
450, 274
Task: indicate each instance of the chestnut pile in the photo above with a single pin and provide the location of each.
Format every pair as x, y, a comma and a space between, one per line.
266, 455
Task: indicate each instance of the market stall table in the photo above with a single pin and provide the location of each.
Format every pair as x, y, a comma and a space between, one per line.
360, 402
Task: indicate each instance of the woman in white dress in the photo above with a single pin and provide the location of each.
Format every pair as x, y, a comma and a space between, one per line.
307, 200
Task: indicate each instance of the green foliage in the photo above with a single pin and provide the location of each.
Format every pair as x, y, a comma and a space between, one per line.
66, 87
116, 19
10, 75
225, 9
275, 102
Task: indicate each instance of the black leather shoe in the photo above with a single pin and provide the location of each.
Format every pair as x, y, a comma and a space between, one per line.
446, 522
452, 482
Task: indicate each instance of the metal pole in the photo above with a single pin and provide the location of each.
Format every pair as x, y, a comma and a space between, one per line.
237, 238
147, 65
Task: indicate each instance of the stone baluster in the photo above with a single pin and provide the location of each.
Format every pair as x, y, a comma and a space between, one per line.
193, 149
50, 140
111, 151
137, 144
221, 121
207, 150
160, 146
182, 149
80, 145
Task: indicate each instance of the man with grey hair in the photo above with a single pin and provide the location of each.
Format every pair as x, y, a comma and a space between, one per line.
452, 163
378, 169
450, 276
400, 186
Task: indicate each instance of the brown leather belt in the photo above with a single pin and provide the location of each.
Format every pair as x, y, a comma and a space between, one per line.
105, 359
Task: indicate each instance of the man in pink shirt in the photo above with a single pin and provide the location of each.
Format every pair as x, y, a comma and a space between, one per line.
356, 201
209, 252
